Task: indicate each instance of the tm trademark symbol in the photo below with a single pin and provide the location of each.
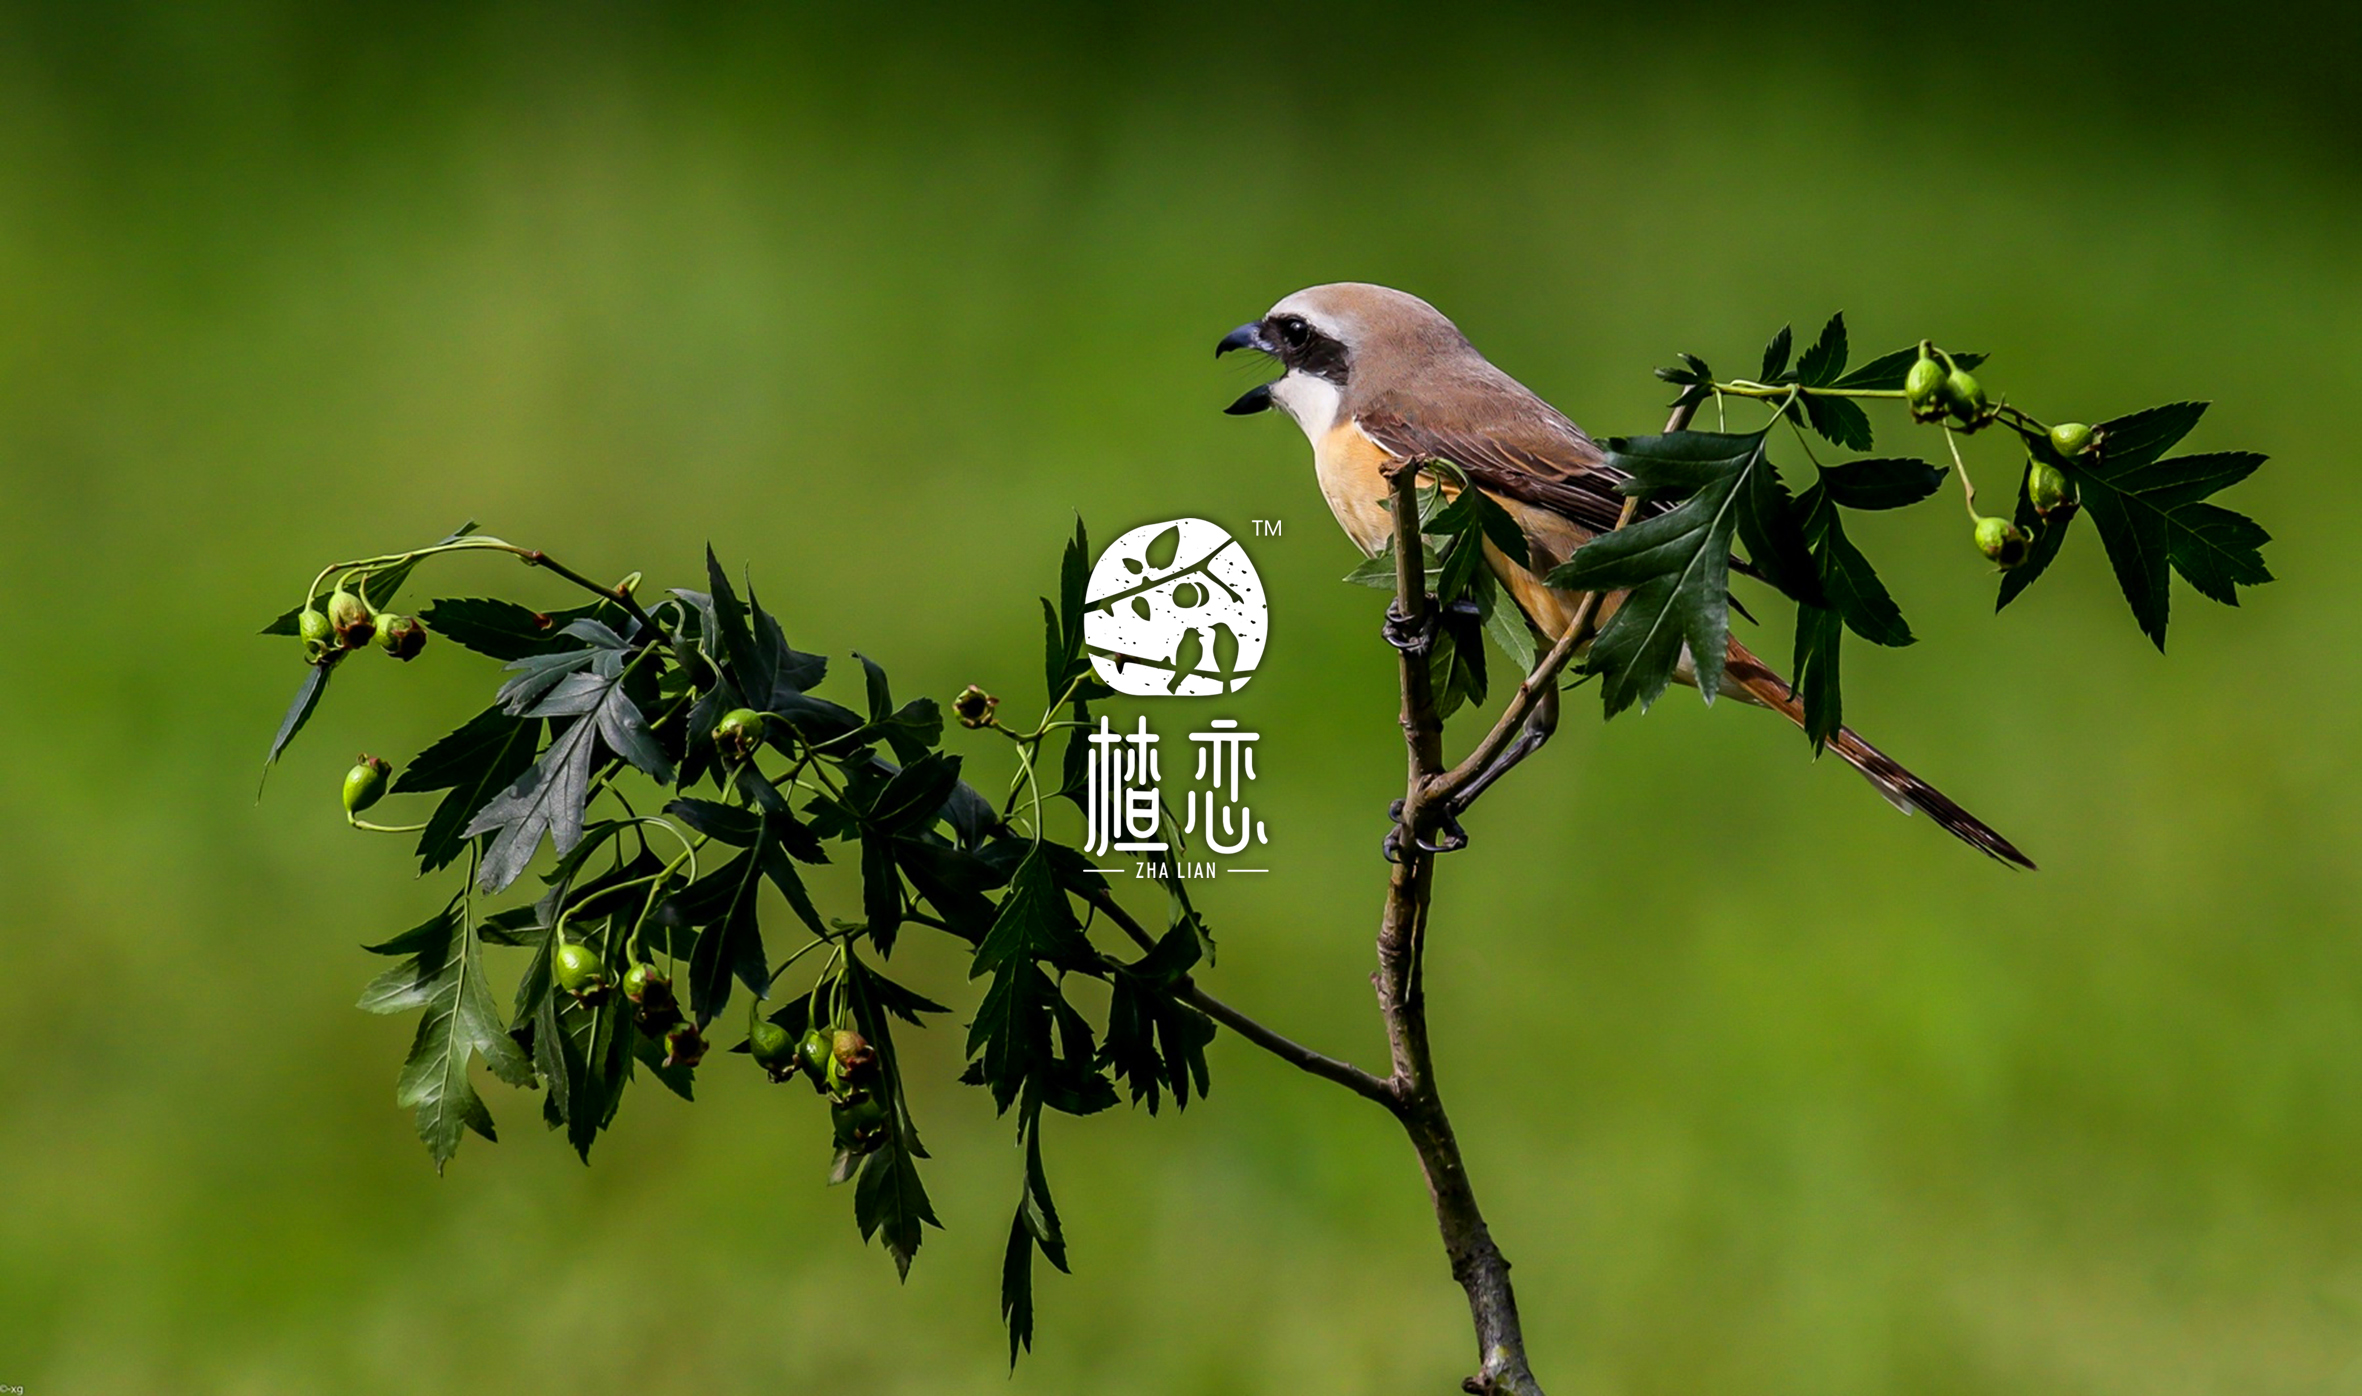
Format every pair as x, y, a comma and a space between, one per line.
1267, 528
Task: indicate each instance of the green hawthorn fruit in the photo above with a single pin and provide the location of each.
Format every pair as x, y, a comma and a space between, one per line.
645, 983
400, 636
365, 783
740, 732
350, 618
860, 1123
2001, 540
2071, 439
2046, 486
814, 1056
576, 969
773, 1049
684, 1045
854, 1059
1923, 387
315, 628
1964, 395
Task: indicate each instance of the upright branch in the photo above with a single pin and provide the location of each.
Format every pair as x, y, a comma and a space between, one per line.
1477, 1263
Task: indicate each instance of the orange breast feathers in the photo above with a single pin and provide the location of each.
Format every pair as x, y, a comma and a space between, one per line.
1351, 470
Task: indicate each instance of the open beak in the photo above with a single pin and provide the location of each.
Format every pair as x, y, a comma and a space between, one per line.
1247, 336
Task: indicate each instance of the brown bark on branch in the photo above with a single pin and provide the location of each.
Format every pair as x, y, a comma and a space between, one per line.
1476, 1262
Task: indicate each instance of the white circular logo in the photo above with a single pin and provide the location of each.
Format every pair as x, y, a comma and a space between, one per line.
1175, 610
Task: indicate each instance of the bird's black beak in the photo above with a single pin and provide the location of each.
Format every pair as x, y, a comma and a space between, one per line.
1247, 336
1253, 400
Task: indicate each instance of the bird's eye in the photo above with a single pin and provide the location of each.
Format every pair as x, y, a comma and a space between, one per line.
1293, 332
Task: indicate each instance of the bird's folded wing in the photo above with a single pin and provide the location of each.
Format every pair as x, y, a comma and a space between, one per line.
1553, 467
1563, 472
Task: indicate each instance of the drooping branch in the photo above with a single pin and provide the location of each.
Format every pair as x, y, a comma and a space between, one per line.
1303, 1058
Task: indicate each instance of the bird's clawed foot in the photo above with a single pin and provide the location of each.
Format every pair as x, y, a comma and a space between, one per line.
1413, 637
1449, 837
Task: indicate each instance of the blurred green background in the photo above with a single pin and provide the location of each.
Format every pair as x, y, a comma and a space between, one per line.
1766, 1089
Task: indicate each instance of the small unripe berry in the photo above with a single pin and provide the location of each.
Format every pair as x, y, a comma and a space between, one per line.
351, 619
1923, 388
740, 732
855, 1059
2046, 486
684, 1046
2071, 439
365, 783
860, 1123
1964, 395
400, 636
577, 970
773, 1049
315, 628
813, 1054
2001, 540
645, 983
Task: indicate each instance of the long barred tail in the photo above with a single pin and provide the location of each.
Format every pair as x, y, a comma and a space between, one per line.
1748, 678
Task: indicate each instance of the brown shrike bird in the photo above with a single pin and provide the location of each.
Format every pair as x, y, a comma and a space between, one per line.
1376, 376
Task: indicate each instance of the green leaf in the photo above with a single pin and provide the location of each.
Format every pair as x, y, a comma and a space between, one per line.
1841, 420
1507, 625
1855, 599
2048, 535
549, 797
1034, 923
1880, 484
730, 939
299, 711
503, 629
460, 1022
1775, 357
1676, 565
584, 1054
1822, 363
1155, 1040
881, 890
2150, 514
1017, 1286
772, 675
1819, 632
474, 763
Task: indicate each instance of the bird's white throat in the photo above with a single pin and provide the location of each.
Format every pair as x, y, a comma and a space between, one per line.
1311, 401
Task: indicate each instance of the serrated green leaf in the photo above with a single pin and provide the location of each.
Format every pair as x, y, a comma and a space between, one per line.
1880, 483
1840, 420
722, 904
2151, 516
1676, 565
1775, 356
459, 1022
1819, 634
1822, 363
505, 630
299, 711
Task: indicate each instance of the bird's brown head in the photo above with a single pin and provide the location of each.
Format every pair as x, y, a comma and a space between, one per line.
1340, 342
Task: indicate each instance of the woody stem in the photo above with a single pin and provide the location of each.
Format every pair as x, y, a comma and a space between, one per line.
1477, 1263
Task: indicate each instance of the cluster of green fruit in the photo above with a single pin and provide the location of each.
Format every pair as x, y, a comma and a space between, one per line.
840, 1064
577, 969
348, 624
1937, 387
